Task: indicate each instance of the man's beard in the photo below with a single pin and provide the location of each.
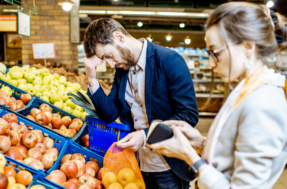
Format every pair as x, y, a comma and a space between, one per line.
126, 56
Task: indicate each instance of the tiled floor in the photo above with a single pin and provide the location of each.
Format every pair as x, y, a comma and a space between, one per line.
203, 126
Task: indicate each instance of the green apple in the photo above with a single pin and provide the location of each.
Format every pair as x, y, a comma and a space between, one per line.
68, 109
77, 86
13, 69
53, 92
61, 88
52, 88
62, 80
29, 77
69, 84
44, 72
71, 104
64, 96
70, 89
6, 78
55, 83
23, 86
84, 115
29, 86
51, 77
59, 105
45, 88
33, 69
77, 113
47, 78
22, 81
37, 73
55, 98
45, 98
1, 74
24, 70
56, 76
47, 93
46, 82
79, 108
17, 75
38, 88
14, 82
37, 81
7, 90
39, 94
31, 91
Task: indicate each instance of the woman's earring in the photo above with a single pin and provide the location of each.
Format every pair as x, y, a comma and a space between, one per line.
247, 64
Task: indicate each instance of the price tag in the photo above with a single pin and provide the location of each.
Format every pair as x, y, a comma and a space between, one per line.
24, 24
43, 50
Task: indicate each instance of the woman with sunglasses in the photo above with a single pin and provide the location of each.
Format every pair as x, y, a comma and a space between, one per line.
246, 146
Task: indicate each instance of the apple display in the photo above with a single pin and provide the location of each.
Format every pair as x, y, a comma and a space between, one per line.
24, 177
51, 152
47, 161
14, 137
41, 147
35, 153
57, 176
42, 119
94, 165
57, 122
36, 164
39, 135
66, 158
12, 106
87, 179
48, 142
30, 117
34, 112
22, 128
29, 139
14, 154
75, 125
5, 144
70, 169
81, 123
23, 150
10, 117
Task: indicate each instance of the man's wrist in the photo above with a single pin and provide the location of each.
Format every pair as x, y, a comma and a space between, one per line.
92, 82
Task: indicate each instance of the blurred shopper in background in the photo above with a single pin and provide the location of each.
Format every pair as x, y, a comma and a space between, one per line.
246, 146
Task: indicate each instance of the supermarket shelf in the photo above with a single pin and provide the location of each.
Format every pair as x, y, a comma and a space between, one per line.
206, 114
206, 95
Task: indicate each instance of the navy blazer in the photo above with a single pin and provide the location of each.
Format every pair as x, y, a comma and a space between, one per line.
169, 95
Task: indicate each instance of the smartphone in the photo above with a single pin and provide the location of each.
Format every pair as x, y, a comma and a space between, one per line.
160, 133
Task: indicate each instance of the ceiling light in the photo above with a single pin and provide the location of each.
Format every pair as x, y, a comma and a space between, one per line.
115, 0
168, 37
182, 25
91, 12
203, 15
131, 12
187, 40
10, 10
149, 37
270, 4
140, 24
66, 5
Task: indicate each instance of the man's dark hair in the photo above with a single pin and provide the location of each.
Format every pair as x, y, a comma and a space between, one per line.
100, 31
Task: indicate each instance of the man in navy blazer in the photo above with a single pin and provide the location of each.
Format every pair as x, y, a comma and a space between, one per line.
151, 82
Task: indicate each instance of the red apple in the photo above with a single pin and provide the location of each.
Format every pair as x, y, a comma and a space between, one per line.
36, 164
49, 126
57, 122
22, 129
35, 153
28, 160
41, 147
48, 142
85, 186
56, 115
70, 185
75, 125
87, 179
23, 150
30, 117
49, 115
14, 154
12, 99
24, 177
47, 161
85, 139
94, 165
70, 168
90, 171
74, 180
10, 117
5, 96
66, 158
2, 101
4, 122
42, 119
19, 104
25, 98
34, 112
12, 106
68, 133
14, 126
3, 181
14, 137
73, 131
29, 139
39, 135
3, 129
5, 144
78, 156
81, 123
37, 187
52, 152
67, 121
57, 176
45, 107
81, 167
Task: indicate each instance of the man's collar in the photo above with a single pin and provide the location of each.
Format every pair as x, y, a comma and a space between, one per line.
142, 60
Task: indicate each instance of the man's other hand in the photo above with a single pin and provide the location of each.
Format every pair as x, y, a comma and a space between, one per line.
132, 141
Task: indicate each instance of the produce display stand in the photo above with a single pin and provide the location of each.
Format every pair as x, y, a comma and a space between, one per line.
59, 140
72, 148
37, 103
16, 93
102, 135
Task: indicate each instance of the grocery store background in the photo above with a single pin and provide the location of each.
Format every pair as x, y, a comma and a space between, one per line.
176, 24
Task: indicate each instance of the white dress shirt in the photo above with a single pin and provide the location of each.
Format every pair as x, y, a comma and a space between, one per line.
150, 161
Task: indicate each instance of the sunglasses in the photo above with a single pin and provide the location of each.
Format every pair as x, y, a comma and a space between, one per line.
215, 53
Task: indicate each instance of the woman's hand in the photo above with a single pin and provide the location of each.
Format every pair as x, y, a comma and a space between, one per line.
178, 147
90, 67
193, 135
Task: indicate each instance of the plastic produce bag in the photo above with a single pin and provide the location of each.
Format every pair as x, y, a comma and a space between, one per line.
121, 168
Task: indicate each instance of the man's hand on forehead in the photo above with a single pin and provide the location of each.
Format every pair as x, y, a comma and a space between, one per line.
93, 61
